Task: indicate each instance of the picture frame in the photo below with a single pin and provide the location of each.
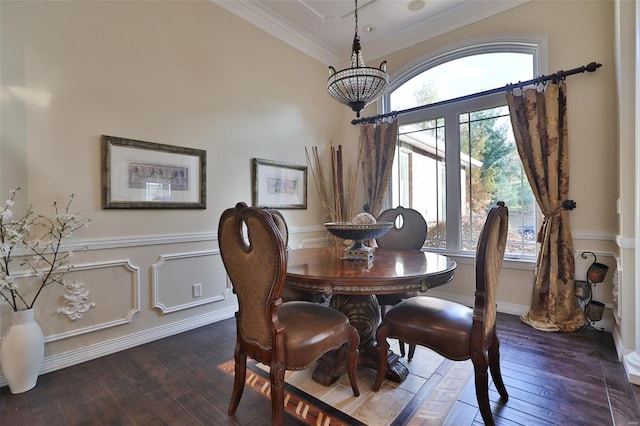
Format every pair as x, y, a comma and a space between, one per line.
148, 175
279, 185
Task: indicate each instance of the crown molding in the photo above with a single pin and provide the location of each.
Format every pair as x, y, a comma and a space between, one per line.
261, 17
451, 19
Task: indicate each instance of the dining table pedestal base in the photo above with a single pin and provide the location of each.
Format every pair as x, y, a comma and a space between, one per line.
364, 314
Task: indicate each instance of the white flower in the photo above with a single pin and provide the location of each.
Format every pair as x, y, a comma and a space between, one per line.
45, 263
7, 282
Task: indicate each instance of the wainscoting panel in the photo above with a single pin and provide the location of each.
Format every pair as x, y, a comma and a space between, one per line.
102, 280
185, 280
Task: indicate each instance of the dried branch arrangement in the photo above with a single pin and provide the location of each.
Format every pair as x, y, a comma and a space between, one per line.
337, 202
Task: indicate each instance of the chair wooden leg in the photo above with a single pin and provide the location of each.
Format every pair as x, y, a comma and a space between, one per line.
276, 375
383, 311
480, 367
354, 342
402, 350
239, 379
382, 350
494, 367
412, 351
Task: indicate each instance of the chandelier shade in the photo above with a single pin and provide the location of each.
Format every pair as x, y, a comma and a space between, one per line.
358, 85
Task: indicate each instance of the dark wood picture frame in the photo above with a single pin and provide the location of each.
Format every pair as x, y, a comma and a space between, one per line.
279, 185
148, 175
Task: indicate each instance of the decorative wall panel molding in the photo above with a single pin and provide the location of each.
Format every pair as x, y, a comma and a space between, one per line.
596, 236
625, 242
185, 280
52, 322
153, 240
617, 282
76, 301
129, 311
312, 243
114, 243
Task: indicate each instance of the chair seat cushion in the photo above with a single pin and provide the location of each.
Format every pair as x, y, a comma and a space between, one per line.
311, 330
438, 324
392, 299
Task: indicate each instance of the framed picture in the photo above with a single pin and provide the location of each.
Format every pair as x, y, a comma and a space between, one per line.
148, 175
279, 185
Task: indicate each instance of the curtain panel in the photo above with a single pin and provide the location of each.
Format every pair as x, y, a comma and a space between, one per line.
377, 149
539, 123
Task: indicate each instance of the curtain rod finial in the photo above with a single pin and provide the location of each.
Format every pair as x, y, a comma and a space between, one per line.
592, 66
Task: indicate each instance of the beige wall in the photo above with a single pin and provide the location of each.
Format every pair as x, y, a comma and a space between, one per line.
188, 73
183, 73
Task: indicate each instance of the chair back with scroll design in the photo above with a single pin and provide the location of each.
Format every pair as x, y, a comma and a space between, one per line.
289, 294
281, 224
453, 330
409, 232
283, 336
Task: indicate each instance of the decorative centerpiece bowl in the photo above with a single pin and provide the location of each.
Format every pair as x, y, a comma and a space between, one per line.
358, 233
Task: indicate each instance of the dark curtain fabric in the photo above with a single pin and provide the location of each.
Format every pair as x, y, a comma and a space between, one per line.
539, 123
377, 148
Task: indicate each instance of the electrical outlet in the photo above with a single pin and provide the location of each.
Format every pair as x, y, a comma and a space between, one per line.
196, 290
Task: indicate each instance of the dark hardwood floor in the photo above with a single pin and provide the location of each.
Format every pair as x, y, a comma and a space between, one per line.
552, 379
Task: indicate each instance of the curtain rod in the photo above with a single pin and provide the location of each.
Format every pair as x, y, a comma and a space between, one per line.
555, 77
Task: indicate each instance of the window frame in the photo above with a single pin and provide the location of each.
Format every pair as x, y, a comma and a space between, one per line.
534, 45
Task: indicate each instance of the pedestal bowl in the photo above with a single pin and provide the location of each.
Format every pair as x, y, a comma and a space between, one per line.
358, 232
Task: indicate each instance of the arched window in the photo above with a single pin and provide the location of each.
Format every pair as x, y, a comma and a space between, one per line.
455, 159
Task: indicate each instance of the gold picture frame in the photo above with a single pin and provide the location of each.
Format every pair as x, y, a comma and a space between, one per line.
279, 185
148, 175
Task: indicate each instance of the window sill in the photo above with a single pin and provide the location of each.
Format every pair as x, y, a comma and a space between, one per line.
509, 263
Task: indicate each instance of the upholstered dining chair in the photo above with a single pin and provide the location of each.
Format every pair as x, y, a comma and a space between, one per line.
453, 330
283, 336
289, 294
281, 224
409, 232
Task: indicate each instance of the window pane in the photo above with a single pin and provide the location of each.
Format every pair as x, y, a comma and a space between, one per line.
491, 171
487, 169
463, 76
421, 176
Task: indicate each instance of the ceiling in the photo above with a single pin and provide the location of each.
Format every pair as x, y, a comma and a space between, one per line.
324, 29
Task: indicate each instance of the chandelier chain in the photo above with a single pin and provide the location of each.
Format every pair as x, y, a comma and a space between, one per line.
356, 16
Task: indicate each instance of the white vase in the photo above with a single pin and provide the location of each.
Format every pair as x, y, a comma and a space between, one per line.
22, 351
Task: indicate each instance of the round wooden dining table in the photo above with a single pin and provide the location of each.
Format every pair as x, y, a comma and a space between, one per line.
352, 286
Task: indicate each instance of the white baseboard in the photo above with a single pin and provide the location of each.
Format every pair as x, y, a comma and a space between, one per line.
88, 353
617, 340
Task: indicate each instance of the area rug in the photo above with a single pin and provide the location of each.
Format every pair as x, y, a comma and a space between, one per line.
424, 398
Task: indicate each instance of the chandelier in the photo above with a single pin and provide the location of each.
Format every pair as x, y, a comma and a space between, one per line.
358, 85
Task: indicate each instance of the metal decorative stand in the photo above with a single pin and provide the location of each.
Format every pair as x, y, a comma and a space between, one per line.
584, 290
